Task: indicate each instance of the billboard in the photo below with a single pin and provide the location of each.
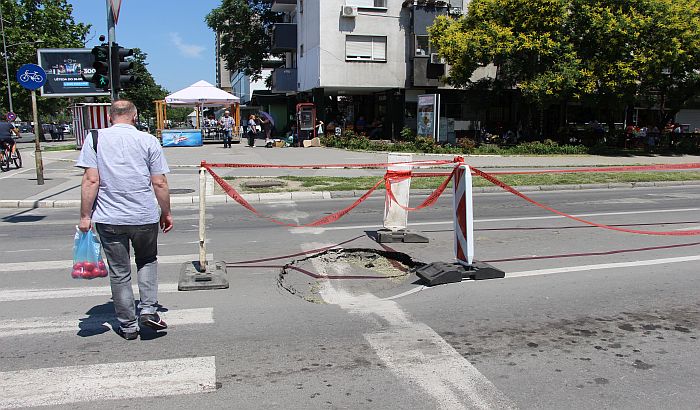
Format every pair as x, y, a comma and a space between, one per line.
64, 67
428, 115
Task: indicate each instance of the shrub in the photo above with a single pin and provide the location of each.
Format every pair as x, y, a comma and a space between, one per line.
407, 134
467, 144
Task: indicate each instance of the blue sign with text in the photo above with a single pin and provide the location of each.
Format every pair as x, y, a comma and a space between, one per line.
31, 76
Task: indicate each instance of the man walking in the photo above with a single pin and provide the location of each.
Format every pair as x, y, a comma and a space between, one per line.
124, 167
227, 123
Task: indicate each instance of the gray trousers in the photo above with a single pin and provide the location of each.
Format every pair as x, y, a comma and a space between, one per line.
115, 241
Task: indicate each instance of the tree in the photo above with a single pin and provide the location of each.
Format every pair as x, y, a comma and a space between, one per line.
601, 52
27, 21
632, 48
242, 26
145, 91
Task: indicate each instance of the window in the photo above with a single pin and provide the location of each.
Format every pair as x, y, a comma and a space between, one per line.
380, 4
365, 48
422, 46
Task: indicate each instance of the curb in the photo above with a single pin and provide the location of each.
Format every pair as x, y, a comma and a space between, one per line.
272, 197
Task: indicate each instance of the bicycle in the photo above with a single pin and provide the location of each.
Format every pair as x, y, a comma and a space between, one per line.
8, 156
34, 76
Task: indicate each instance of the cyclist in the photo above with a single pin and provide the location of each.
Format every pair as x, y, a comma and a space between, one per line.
7, 130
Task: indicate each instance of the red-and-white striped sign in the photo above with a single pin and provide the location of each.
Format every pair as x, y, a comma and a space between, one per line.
464, 215
88, 117
99, 116
78, 125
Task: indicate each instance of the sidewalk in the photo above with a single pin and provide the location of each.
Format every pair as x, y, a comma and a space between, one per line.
62, 179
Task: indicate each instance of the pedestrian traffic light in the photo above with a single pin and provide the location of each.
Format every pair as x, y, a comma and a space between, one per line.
123, 77
100, 75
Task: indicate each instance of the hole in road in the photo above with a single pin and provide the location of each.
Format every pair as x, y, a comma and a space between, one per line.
360, 271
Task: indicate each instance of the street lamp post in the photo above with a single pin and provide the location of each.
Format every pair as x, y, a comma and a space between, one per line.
4, 55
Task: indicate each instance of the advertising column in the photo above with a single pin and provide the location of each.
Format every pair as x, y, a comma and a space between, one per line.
428, 115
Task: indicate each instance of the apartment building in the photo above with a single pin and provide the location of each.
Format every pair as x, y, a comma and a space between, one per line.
223, 75
367, 58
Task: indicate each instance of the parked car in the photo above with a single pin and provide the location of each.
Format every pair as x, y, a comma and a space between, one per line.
66, 128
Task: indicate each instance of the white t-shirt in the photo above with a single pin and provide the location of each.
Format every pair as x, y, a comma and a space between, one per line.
125, 159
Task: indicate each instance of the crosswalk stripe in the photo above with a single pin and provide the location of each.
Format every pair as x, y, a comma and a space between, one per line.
67, 264
107, 381
95, 323
15, 295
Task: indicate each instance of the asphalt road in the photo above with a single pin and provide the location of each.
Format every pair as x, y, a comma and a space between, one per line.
585, 318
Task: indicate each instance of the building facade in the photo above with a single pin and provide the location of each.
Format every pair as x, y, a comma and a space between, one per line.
223, 75
367, 61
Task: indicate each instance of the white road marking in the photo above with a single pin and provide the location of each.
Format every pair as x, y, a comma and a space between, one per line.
524, 218
107, 381
690, 228
406, 293
430, 364
72, 222
616, 265
26, 250
93, 323
568, 269
20, 171
15, 295
67, 264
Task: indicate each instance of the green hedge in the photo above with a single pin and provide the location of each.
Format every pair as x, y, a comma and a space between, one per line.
349, 140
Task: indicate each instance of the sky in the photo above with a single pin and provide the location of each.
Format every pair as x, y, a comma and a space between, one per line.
173, 33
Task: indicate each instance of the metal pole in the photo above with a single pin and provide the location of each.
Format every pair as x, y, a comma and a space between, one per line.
111, 39
202, 219
4, 55
37, 143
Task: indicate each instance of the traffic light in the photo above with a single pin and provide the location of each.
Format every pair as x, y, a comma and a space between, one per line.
100, 72
123, 78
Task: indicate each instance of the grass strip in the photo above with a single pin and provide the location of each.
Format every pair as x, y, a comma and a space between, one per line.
70, 147
328, 183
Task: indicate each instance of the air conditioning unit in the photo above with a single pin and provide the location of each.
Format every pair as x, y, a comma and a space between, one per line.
436, 59
349, 11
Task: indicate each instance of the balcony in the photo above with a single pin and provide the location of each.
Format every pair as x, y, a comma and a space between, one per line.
284, 80
283, 6
284, 37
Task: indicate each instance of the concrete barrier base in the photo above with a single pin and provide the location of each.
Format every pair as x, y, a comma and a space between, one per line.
401, 235
192, 279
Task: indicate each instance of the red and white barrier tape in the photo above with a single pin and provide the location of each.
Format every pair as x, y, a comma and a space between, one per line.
415, 164
626, 168
514, 191
231, 192
397, 176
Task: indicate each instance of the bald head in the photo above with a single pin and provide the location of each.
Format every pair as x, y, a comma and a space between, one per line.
122, 111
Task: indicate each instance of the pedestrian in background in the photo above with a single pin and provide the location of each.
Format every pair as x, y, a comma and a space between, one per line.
227, 123
124, 168
53, 130
252, 130
60, 132
266, 125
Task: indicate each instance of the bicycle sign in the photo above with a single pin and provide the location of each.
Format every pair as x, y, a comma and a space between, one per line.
31, 76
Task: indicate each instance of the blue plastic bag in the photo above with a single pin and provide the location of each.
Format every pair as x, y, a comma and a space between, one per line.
87, 256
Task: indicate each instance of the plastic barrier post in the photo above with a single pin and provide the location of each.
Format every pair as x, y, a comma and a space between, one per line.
439, 273
464, 215
202, 219
198, 275
395, 217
